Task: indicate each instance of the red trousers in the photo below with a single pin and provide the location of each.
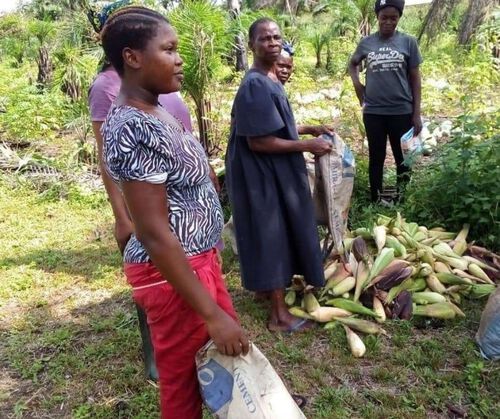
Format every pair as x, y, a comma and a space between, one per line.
177, 332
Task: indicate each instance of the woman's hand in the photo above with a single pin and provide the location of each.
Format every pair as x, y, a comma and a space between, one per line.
123, 231
417, 124
360, 92
319, 146
317, 130
228, 336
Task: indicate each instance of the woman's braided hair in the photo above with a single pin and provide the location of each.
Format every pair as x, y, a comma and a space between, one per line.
130, 27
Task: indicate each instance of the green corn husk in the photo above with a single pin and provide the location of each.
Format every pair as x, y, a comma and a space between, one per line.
360, 325
351, 306
298, 312
457, 262
443, 249
310, 302
479, 263
438, 310
428, 298
361, 275
344, 286
393, 243
451, 279
411, 228
457, 310
290, 297
476, 270
384, 220
478, 291
386, 256
441, 235
363, 232
412, 243
427, 256
419, 284
331, 325
425, 270
419, 236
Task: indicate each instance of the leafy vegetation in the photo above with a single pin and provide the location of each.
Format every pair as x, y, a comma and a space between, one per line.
70, 343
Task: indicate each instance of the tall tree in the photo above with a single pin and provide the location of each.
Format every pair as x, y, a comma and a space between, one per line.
475, 15
437, 18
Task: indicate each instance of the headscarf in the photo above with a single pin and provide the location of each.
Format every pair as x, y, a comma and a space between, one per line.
287, 49
98, 19
382, 4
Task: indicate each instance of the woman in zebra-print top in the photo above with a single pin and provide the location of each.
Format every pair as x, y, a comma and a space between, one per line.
164, 176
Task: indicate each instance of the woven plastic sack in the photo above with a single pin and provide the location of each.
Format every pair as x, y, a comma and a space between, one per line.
488, 335
333, 188
244, 387
411, 147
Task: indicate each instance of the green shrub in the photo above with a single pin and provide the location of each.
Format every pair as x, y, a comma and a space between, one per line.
461, 185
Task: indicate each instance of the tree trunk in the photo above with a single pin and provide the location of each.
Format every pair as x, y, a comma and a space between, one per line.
203, 110
44, 68
318, 59
476, 12
437, 18
239, 50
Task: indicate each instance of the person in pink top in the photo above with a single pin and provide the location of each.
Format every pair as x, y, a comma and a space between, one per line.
102, 94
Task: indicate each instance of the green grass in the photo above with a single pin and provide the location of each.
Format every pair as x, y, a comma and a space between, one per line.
71, 346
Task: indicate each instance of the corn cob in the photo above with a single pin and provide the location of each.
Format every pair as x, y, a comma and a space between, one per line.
428, 297
437, 310
298, 312
441, 235
290, 297
430, 241
360, 325
477, 271
419, 236
351, 306
344, 286
457, 310
392, 276
393, 243
441, 267
378, 308
444, 249
423, 229
479, 263
327, 314
379, 234
460, 245
457, 262
330, 270
478, 291
395, 231
356, 345
435, 284
463, 274
361, 278
450, 279
425, 269
383, 259
310, 302
363, 232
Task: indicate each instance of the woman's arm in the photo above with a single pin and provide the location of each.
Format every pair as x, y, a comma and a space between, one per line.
315, 130
274, 145
416, 88
353, 69
123, 224
147, 204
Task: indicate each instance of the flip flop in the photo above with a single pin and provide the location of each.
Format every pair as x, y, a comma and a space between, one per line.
296, 327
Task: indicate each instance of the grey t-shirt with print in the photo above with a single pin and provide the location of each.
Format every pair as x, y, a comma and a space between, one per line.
388, 62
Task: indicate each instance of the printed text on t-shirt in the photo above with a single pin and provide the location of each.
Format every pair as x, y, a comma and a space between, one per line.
386, 59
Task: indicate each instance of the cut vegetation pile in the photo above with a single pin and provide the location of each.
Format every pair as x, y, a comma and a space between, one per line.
396, 270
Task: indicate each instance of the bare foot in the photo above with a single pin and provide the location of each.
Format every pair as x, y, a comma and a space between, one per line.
296, 325
262, 296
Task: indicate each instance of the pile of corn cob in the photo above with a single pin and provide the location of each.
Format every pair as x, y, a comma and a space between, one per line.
396, 270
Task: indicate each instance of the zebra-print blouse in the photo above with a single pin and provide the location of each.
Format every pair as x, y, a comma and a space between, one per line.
138, 146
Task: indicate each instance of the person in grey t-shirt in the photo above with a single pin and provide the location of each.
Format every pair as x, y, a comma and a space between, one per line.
391, 96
